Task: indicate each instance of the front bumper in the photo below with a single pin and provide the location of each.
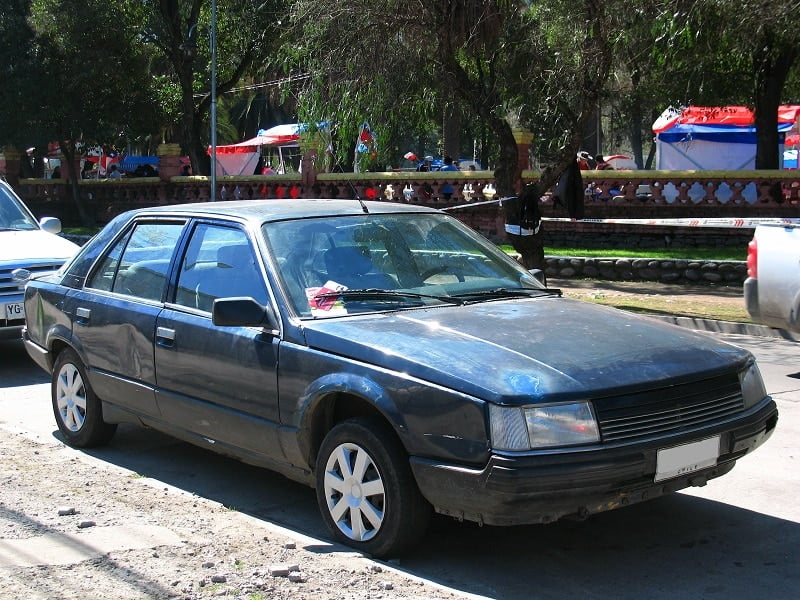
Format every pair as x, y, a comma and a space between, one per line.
10, 330
546, 486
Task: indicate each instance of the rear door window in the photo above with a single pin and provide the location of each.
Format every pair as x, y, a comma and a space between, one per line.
138, 264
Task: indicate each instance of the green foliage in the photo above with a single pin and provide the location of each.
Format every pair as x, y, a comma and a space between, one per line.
686, 52
78, 71
364, 65
120, 71
403, 67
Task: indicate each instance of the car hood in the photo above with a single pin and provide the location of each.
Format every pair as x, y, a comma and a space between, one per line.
523, 350
34, 245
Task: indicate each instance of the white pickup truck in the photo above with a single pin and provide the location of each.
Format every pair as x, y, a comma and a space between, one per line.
772, 287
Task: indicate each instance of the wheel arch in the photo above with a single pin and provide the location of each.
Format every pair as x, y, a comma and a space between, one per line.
333, 408
57, 342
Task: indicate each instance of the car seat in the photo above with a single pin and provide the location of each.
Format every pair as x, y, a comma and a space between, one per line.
352, 266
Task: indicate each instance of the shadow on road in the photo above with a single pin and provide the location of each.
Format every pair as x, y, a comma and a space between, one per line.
679, 546
16, 367
676, 547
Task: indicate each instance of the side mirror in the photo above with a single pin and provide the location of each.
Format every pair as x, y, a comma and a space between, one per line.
50, 224
242, 312
538, 275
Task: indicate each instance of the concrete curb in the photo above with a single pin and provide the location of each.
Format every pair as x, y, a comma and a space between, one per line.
714, 326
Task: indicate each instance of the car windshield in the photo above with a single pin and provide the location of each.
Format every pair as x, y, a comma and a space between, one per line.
13, 214
341, 265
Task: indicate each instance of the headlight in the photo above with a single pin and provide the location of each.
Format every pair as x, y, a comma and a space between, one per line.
547, 426
753, 390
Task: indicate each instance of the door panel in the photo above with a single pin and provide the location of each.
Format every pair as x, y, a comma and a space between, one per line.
114, 315
116, 338
218, 382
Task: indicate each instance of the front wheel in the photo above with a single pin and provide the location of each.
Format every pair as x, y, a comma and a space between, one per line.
366, 491
78, 411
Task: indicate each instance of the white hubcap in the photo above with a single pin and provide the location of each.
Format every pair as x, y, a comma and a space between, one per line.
355, 492
71, 397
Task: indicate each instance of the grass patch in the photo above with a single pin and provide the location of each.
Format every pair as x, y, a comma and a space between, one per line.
730, 253
81, 230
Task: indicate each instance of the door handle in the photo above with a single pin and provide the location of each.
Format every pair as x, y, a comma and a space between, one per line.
82, 315
165, 336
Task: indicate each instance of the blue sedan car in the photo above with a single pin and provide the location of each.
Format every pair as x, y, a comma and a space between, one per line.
389, 357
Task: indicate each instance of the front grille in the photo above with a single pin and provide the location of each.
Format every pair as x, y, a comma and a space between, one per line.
9, 286
669, 410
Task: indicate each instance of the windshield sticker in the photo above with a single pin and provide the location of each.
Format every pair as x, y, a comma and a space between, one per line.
324, 305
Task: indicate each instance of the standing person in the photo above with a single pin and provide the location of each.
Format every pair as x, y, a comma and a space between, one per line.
447, 189
583, 160
114, 172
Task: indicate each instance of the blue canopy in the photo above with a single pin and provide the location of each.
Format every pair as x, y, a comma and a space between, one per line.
129, 163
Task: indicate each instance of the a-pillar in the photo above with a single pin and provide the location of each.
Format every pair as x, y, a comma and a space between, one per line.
10, 164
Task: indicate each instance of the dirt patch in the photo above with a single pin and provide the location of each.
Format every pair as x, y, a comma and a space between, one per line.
718, 302
72, 528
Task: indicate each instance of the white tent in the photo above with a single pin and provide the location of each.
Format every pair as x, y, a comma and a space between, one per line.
242, 158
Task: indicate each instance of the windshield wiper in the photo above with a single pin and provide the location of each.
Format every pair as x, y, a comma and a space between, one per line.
379, 294
499, 293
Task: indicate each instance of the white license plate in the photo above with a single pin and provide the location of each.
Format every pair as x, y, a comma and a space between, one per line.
677, 461
14, 310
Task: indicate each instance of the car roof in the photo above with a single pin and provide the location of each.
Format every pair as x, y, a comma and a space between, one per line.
261, 211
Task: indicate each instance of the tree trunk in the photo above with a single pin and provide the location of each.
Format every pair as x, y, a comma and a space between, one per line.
451, 129
772, 68
508, 181
636, 122
85, 218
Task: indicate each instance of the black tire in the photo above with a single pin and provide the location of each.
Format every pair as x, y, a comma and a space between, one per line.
391, 515
78, 411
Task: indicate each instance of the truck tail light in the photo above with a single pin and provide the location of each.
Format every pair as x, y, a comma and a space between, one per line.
752, 259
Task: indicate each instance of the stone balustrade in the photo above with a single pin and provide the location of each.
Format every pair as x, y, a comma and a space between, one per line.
645, 195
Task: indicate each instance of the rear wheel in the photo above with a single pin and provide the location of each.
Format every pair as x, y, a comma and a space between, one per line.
366, 491
78, 411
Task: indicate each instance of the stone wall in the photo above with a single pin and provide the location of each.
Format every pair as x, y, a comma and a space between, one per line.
663, 270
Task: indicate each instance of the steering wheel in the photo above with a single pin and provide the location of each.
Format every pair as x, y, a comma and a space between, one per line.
456, 272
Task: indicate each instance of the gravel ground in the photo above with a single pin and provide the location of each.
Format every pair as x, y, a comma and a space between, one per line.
75, 528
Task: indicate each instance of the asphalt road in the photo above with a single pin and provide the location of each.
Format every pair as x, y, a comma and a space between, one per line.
738, 537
